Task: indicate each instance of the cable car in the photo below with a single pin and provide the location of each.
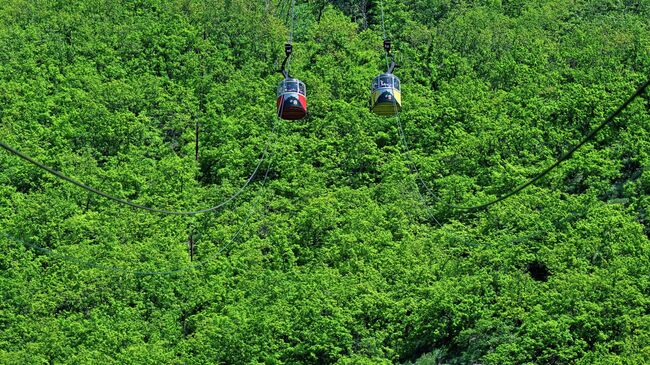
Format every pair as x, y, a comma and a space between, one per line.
386, 93
291, 101
386, 96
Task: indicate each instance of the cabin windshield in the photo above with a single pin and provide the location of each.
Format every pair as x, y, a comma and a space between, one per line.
385, 81
292, 86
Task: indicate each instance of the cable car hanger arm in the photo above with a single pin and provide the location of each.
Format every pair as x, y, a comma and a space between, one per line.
393, 65
288, 49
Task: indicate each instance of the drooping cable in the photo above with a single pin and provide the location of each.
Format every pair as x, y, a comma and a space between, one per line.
590, 136
431, 215
135, 205
94, 265
115, 269
413, 171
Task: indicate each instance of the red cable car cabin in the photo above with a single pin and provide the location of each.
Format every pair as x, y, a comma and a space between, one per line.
292, 99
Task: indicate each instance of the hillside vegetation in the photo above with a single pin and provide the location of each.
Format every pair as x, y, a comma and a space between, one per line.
335, 253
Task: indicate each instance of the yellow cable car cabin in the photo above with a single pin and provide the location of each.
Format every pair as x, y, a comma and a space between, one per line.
386, 96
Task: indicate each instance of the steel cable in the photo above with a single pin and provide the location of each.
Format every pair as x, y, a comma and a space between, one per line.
185, 269
94, 265
135, 205
590, 136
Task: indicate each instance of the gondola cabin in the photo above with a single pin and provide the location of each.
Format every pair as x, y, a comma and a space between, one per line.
292, 99
386, 95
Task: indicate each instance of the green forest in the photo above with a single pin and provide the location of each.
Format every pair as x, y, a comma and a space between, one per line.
339, 238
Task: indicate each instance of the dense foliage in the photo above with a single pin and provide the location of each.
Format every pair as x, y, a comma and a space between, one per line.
334, 258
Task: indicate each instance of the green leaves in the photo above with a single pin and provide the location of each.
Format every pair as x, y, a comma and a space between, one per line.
336, 260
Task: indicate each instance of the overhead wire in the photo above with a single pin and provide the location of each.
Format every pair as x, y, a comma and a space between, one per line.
293, 15
426, 206
588, 137
129, 203
383, 27
90, 189
432, 216
531, 181
95, 265
115, 269
291, 27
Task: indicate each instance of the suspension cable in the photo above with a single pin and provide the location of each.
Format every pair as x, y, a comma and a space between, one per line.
290, 40
293, 14
427, 207
135, 205
413, 172
383, 26
383, 29
432, 217
590, 136
94, 265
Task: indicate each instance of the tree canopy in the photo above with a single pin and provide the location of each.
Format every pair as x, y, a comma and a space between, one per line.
336, 252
